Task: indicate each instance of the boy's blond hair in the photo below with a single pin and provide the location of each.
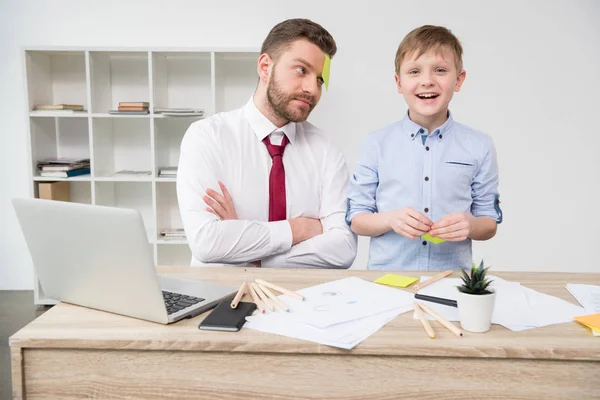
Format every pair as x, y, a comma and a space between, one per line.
429, 37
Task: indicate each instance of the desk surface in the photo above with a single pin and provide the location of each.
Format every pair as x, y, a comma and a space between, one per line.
73, 327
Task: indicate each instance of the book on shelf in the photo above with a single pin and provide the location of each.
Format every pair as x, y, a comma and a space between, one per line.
65, 174
63, 160
58, 107
129, 112
172, 233
167, 172
129, 172
131, 108
134, 104
179, 111
63, 167
58, 112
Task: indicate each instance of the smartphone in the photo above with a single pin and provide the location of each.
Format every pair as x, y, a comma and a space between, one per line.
225, 318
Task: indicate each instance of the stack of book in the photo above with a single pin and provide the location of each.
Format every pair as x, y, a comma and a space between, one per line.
132, 108
179, 112
58, 108
172, 234
167, 172
64, 167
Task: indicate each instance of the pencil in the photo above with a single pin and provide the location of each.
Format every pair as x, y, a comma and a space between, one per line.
238, 296
263, 296
255, 298
442, 321
424, 321
280, 289
439, 300
429, 281
274, 298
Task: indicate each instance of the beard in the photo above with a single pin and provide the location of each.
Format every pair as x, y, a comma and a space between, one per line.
279, 101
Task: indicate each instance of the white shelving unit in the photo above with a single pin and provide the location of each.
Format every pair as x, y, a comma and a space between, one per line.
212, 79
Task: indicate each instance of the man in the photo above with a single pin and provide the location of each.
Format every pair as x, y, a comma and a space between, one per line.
261, 185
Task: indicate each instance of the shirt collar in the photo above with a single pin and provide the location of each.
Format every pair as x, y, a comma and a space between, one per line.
261, 125
414, 130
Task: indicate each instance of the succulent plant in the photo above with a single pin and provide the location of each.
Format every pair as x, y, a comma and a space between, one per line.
476, 283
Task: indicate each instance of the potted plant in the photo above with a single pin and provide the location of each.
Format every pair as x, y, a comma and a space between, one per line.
476, 300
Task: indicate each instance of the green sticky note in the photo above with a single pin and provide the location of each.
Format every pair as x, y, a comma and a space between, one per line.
396, 280
326, 71
432, 239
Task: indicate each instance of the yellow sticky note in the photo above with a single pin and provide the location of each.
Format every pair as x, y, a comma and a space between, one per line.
326, 71
592, 321
396, 280
432, 239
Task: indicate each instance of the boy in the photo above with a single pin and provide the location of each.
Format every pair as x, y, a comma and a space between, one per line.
425, 176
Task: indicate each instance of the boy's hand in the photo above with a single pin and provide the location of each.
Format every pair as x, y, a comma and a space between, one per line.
409, 222
454, 227
221, 206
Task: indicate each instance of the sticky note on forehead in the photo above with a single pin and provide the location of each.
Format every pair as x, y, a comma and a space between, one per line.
326, 71
432, 239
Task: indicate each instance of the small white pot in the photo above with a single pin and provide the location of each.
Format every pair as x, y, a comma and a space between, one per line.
475, 311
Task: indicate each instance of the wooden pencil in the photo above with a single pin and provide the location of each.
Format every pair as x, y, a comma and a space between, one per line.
424, 320
280, 289
263, 296
434, 279
442, 321
256, 299
274, 298
239, 295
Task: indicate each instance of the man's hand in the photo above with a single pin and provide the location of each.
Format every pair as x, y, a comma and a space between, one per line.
304, 228
409, 222
221, 206
454, 227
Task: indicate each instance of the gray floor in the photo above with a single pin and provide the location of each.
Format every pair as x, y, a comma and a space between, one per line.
16, 311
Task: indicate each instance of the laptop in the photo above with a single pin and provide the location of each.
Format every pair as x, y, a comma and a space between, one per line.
99, 257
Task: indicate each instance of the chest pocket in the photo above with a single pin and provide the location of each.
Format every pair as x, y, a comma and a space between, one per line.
460, 174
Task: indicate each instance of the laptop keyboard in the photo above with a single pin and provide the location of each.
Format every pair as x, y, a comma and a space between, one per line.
177, 302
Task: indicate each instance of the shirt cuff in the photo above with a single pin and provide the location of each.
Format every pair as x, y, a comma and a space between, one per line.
281, 236
281, 239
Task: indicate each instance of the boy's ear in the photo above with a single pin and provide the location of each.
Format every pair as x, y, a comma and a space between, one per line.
459, 80
265, 63
398, 83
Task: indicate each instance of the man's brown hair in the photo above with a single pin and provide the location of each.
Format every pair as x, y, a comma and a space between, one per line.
285, 33
429, 37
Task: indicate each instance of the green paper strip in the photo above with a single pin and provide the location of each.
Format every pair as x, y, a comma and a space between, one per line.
432, 239
326, 71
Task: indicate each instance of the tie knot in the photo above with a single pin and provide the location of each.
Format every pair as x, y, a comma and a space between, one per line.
273, 149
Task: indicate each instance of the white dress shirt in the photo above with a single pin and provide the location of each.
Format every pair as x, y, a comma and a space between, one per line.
228, 148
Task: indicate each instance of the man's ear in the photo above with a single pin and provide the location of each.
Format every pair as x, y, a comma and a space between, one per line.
265, 63
459, 80
397, 78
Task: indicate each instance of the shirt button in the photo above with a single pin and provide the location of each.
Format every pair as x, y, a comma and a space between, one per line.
440, 136
421, 130
426, 209
424, 243
412, 135
426, 178
427, 148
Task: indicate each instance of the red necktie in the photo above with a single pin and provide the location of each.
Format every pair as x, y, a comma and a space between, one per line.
276, 180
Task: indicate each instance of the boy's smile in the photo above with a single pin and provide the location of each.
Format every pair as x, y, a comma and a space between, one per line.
428, 83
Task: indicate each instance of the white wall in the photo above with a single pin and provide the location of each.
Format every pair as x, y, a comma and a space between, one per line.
532, 83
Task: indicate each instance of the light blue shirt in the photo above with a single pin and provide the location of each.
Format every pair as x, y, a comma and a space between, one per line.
454, 169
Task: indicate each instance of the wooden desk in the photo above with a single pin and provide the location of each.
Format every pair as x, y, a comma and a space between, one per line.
72, 352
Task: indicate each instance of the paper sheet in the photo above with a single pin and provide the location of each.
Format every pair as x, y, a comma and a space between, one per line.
516, 308
345, 300
589, 297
